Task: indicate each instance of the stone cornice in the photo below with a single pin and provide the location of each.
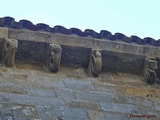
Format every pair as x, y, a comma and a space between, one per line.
104, 34
72, 47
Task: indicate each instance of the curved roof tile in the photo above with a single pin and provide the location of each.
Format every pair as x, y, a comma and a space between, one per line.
104, 34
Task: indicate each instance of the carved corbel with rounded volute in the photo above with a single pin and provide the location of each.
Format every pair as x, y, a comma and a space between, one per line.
150, 68
54, 57
9, 50
95, 64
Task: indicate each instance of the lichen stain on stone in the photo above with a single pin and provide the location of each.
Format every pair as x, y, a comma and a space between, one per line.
142, 92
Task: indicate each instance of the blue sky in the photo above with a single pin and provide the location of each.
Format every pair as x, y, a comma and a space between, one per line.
130, 17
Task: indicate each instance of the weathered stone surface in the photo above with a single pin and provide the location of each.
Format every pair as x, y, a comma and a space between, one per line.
15, 111
82, 104
140, 92
16, 79
31, 51
74, 41
134, 100
95, 96
26, 112
79, 85
114, 97
14, 71
106, 75
64, 93
157, 105
69, 113
75, 56
4, 98
48, 82
127, 77
121, 47
117, 107
13, 89
30, 35
3, 32
97, 115
46, 113
110, 88
150, 113
38, 91
35, 100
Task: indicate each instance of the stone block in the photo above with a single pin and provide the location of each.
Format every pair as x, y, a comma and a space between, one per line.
35, 100
150, 113
95, 96
141, 92
117, 107
8, 88
3, 32
26, 111
97, 115
15, 111
157, 105
82, 104
45, 112
79, 85
74, 41
4, 98
109, 88
48, 82
38, 91
69, 113
135, 100
16, 79
35, 36
64, 93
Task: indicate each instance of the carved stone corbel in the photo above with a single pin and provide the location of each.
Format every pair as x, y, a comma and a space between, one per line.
95, 64
150, 67
55, 52
9, 50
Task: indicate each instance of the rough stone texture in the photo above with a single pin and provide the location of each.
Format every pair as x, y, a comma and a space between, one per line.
94, 115
3, 32
73, 41
94, 96
46, 113
75, 56
73, 95
79, 85
64, 93
38, 91
32, 51
29, 35
35, 100
82, 104
116, 107
69, 113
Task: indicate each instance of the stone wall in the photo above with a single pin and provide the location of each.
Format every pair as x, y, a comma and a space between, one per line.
29, 90
73, 95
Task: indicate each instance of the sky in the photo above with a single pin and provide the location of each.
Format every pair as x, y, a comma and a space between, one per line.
130, 17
